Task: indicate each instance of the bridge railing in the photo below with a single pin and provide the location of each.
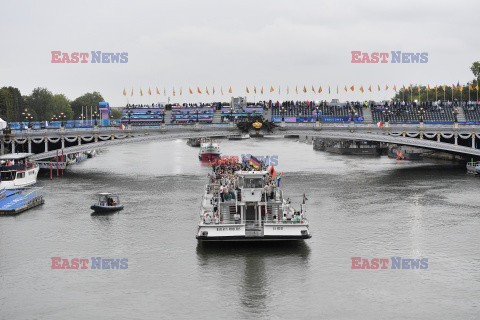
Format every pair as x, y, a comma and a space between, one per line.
27, 196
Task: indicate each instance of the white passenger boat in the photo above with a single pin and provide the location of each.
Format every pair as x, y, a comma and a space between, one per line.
209, 150
16, 171
253, 210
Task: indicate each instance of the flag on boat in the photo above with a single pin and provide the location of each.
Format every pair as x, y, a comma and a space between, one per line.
255, 162
304, 198
380, 124
272, 171
122, 127
278, 179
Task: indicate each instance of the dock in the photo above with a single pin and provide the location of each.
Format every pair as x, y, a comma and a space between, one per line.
13, 202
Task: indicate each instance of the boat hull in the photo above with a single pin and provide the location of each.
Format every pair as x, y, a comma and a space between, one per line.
105, 209
354, 151
254, 239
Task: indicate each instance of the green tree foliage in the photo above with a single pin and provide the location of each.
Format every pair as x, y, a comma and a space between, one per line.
39, 103
87, 100
6, 104
115, 113
60, 104
476, 69
11, 104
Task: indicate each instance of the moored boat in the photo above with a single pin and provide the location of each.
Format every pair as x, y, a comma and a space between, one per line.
209, 150
16, 171
107, 202
249, 207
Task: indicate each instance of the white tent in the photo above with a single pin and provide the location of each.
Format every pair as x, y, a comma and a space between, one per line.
3, 124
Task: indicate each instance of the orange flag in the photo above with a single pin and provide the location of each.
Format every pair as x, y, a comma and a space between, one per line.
419, 88
141, 92
190, 89
443, 87
149, 92
206, 90
453, 86
404, 88
435, 88
352, 88
164, 91
247, 90
361, 89
158, 92
198, 90
345, 88
173, 90
124, 92
386, 87
221, 90
230, 90
337, 88
470, 87
213, 90
428, 86
411, 88
278, 89
271, 89
320, 89
328, 89
304, 89
296, 89
180, 90
254, 89
378, 87
370, 88
395, 88
261, 91
288, 90
132, 92
476, 87
460, 88
313, 89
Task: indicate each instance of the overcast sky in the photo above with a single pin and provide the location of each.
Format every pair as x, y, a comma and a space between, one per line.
235, 43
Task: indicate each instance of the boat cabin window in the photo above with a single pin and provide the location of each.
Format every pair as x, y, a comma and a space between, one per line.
253, 182
20, 175
240, 182
8, 175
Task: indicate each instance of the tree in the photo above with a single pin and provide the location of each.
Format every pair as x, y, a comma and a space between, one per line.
476, 69
14, 114
6, 104
60, 104
87, 100
39, 103
115, 113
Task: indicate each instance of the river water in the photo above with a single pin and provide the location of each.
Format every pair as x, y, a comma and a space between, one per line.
357, 206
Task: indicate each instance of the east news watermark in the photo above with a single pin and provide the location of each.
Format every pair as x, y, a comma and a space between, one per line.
94, 263
394, 263
389, 57
89, 57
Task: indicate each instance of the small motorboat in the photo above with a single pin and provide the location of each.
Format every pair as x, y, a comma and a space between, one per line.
107, 202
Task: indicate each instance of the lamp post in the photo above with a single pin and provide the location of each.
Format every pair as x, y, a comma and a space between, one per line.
29, 118
129, 115
25, 114
231, 116
95, 115
62, 117
455, 116
283, 116
196, 121
421, 112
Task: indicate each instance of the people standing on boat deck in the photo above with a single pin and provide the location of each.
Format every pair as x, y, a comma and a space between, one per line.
221, 193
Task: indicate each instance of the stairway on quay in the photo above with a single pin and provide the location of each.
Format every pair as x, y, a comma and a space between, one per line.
367, 115
461, 115
168, 116
217, 116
